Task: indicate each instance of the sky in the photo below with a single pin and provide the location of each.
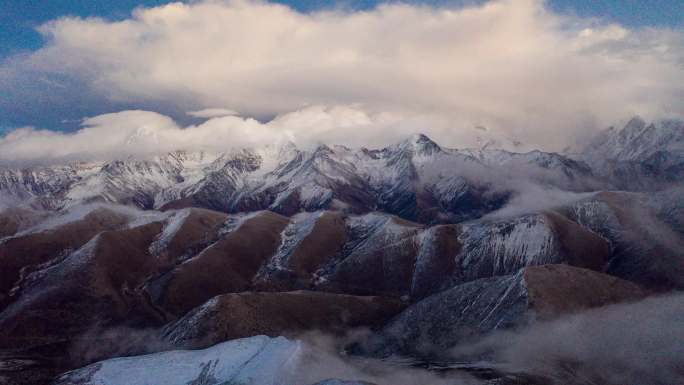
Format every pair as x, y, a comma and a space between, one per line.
19, 18
546, 72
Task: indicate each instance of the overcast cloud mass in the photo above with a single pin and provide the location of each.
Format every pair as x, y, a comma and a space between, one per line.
347, 77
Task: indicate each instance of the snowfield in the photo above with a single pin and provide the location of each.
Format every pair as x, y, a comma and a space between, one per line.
258, 360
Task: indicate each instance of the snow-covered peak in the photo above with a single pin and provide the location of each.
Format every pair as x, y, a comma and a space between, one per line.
632, 129
419, 144
637, 140
142, 134
484, 138
640, 156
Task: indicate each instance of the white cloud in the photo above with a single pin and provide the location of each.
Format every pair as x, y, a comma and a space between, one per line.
143, 133
212, 113
628, 343
510, 65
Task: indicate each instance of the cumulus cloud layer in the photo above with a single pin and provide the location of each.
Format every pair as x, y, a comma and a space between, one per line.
141, 133
212, 113
512, 66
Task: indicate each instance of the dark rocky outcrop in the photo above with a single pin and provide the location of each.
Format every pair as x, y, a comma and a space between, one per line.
479, 307
226, 266
644, 248
15, 219
239, 315
22, 253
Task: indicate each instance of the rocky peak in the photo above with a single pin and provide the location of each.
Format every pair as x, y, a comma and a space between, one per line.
424, 145
632, 128
637, 140
420, 144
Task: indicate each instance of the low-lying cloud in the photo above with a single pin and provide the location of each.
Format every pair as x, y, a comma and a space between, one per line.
637, 343
138, 133
321, 359
515, 67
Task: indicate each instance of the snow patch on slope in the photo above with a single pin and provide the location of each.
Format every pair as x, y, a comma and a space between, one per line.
258, 360
510, 244
376, 230
299, 227
171, 228
235, 221
78, 213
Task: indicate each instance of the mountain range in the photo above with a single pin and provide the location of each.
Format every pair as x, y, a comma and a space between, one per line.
217, 268
415, 179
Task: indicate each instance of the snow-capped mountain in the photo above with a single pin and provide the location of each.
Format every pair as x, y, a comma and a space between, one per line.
415, 179
638, 140
640, 156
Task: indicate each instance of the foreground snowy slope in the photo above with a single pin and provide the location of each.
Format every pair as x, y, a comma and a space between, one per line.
251, 361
